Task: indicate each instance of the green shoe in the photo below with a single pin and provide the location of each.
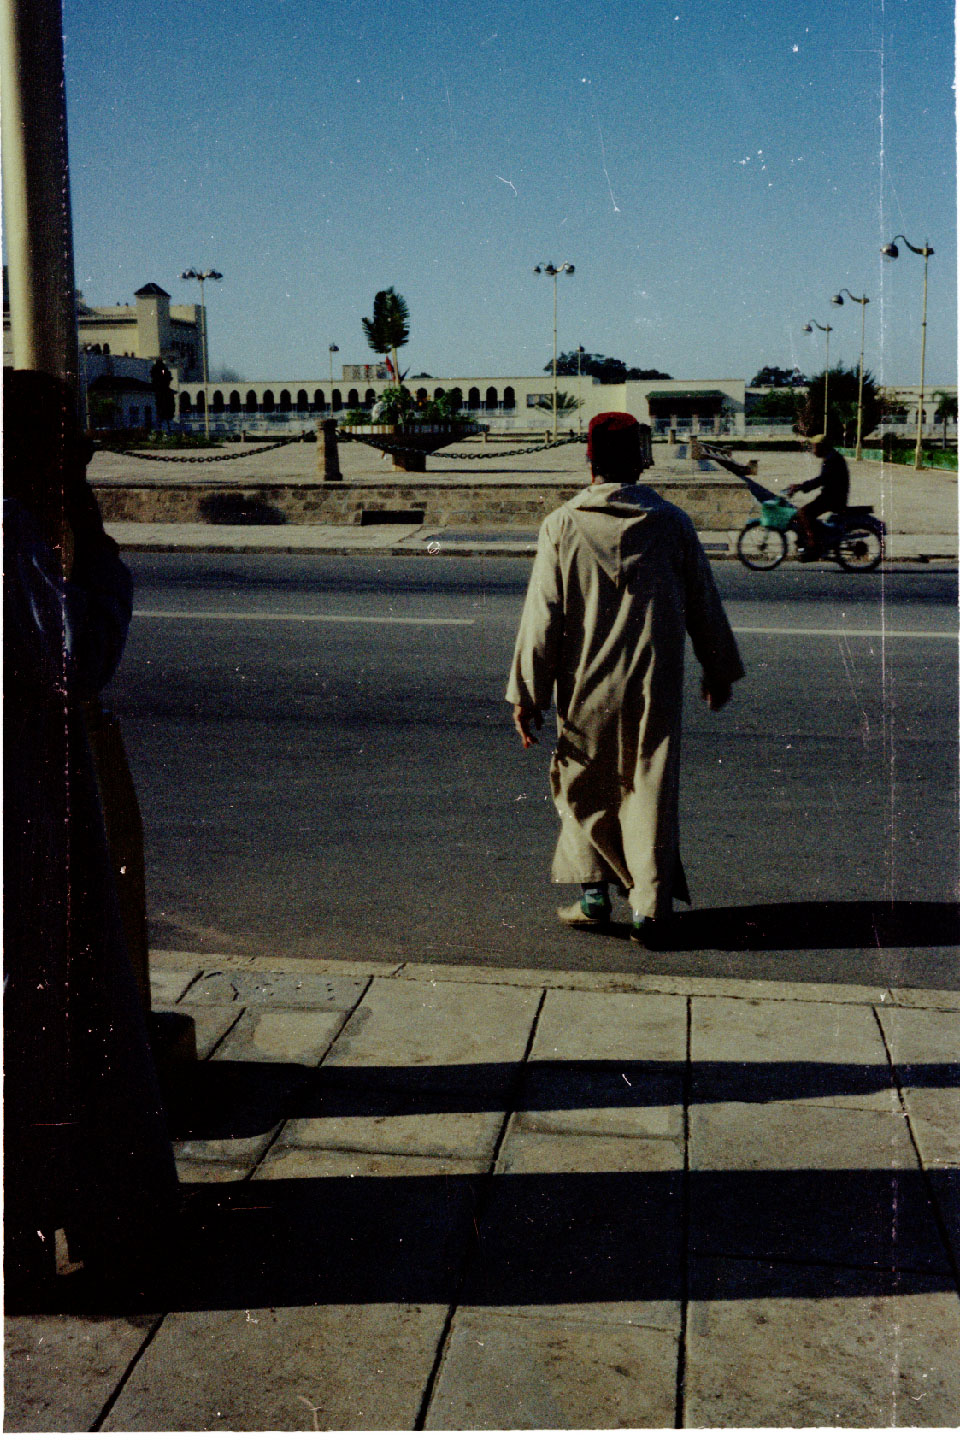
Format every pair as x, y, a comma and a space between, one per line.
587, 914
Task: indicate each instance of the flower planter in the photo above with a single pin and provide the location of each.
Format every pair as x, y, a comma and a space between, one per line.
410, 445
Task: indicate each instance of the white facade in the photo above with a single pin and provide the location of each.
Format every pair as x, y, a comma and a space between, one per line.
508, 401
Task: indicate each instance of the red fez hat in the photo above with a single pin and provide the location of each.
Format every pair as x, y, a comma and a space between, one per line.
612, 439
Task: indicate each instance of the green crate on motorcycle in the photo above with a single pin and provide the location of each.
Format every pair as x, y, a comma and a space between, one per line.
776, 514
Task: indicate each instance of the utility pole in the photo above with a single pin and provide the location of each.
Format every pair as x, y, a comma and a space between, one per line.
36, 189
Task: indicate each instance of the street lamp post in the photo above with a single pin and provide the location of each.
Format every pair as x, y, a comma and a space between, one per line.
890, 252
546, 268
808, 330
334, 350
863, 301
203, 275
580, 354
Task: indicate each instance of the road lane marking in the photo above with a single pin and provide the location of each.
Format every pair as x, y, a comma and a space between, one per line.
848, 634
253, 616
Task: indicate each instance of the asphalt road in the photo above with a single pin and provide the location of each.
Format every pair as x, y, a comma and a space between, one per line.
326, 767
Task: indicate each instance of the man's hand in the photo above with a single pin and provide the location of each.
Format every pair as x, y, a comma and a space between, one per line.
523, 720
791, 489
715, 692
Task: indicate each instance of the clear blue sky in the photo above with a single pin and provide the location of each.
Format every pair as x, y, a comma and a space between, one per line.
714, 171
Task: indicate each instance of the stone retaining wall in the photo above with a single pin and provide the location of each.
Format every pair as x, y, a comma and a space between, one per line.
712, 503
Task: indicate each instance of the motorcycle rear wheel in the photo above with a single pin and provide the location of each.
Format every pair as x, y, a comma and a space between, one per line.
859, 549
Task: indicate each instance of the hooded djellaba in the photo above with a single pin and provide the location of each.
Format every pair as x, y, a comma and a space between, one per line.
619, 580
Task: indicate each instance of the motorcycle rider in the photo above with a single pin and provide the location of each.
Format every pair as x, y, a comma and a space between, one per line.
834, 485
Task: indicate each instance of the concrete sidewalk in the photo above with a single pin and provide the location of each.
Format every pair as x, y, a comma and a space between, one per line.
460, 1197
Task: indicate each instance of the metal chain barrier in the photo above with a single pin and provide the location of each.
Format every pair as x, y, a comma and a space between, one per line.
359, 439
460, 454
198, 459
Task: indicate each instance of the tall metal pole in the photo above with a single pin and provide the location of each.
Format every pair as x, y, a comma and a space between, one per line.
36, 189
891, 252
555, 278
203, 346
826, 382
863, 326
918, 458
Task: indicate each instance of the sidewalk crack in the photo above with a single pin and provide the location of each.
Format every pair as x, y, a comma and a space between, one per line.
681, 1399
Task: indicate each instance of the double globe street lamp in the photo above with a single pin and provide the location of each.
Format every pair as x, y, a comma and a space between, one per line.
203, 275
544, 268
890, 252
863, 301
808, 330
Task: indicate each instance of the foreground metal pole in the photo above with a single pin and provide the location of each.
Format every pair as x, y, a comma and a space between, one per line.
36, 189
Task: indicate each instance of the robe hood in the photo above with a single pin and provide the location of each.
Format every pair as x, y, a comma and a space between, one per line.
614, 523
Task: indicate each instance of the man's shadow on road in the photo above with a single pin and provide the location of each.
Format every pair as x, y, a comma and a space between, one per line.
815, 925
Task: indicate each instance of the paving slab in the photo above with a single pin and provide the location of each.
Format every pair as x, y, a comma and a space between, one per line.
292, 1036
433, 1035
62, 1369
336, 1367
240, 1153
501, 1372
317, 965
593, 1027
780, 1346
167, 984
286, 991
817, 1053
357, 1164
467, 1134
190, 960
810, 1183
927, 999
211, 1023
925, 1049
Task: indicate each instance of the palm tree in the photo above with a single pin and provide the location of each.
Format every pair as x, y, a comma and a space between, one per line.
566, 403
946, 410
389, 328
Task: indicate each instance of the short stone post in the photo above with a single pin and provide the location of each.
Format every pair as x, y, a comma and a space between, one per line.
328, 459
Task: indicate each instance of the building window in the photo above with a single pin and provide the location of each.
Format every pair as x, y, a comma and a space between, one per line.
217, 405
353, 398
251, 405
285, 402
303, 401
185, 407
369, 398
134, 414
473, 398
491, 397
336, 400
234, 402
536, 402
509, 398
319, 401
267, 403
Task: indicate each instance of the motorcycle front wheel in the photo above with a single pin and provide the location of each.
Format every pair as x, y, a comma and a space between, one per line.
860, 549
760, 548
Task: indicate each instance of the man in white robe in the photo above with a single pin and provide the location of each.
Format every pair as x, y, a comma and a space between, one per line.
619, 580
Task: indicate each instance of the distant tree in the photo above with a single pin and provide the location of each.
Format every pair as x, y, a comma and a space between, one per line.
777, 405
842, 404
946, 410
226, 375
606, 369
388, 328
566, 404
778, 378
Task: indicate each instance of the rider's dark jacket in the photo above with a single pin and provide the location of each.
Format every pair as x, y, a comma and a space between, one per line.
834, 478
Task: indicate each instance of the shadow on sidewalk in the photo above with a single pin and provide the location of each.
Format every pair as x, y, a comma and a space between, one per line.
234, 1099
545, 1239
